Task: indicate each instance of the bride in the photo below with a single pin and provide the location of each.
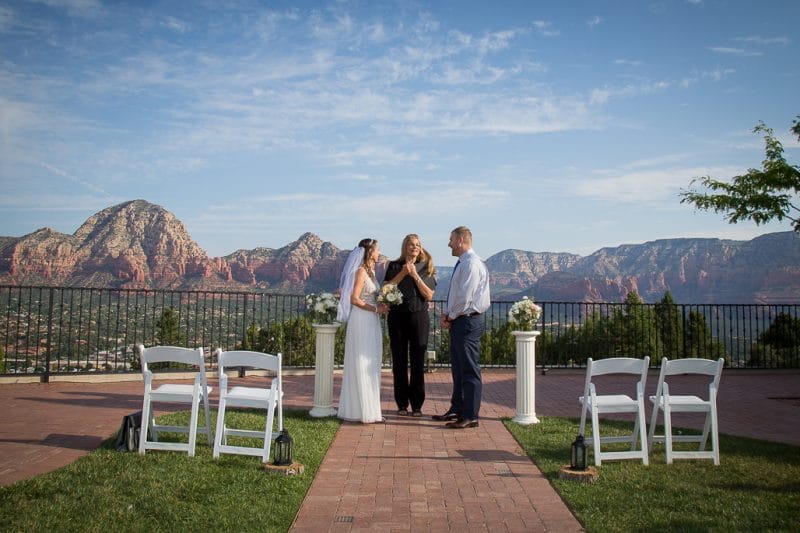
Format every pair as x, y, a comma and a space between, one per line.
360, 397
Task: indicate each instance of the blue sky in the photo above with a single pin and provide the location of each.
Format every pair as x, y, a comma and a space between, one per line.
543, 126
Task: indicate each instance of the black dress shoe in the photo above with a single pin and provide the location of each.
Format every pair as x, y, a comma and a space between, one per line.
449, 415
462, 424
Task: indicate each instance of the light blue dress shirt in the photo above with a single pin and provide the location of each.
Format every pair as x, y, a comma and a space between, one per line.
469, 287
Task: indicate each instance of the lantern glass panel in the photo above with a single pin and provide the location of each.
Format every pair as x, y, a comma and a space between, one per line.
283, 449
579, 454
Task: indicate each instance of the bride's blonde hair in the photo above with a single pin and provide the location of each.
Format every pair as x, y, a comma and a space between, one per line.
424, 255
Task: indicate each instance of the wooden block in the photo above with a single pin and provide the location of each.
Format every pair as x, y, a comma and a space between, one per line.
293, 469
589, 475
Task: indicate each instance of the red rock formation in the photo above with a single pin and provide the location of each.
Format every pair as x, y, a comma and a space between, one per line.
141, 245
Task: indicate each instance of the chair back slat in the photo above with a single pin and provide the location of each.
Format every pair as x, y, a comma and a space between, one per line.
237, 358
171, 354
692, 366
617, 365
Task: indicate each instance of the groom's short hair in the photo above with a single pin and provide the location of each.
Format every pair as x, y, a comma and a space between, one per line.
464, 233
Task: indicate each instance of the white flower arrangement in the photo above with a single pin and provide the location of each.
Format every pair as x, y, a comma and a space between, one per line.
523, 314
322, 307
390, 295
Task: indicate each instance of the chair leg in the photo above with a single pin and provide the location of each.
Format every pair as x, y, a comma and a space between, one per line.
714, 430
651, 433
668, 432
596, 437
640, 422
635, 434
583, 419
704, 436
193, 421
146, 424
208, 420
219, 434
268, 434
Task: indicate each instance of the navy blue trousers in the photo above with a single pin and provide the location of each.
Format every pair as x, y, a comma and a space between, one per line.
465, 336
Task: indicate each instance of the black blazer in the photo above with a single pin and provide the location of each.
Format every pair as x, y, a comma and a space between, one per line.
412, 299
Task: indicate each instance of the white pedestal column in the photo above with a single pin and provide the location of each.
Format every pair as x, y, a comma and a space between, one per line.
323, 370
526, 377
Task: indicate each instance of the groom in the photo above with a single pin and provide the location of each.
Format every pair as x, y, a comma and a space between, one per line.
467, 299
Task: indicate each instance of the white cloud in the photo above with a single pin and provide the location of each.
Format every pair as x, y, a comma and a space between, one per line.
176, 25
655, 187
764, 41
729, 50
374, 155
6, 18
628, 62
545, 28
594, 21
83, 8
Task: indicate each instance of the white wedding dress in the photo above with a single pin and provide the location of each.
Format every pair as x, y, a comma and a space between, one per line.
360, 397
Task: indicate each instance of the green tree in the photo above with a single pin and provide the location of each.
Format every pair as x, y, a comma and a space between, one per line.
778, 345
168, 330
636, 327
669, 326
498, 346
784, 332
2, 361
760, 195
698, 339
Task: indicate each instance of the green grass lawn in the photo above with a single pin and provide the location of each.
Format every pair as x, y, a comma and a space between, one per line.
169, 491
755, 488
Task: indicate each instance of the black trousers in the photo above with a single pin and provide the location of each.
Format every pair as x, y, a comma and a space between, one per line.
408, 338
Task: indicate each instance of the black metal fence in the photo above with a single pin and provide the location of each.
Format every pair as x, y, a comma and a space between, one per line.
57, 330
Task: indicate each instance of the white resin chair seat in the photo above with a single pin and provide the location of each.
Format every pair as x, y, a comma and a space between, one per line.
668, 404
173, 393
269, 399
248, 395
595, 404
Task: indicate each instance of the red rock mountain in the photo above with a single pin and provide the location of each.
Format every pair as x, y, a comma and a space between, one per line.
141, 245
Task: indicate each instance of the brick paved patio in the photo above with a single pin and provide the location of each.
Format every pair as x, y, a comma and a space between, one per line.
406, 474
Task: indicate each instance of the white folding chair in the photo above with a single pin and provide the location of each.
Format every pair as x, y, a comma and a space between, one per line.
269, 399
596, 404
669, 403
173, 393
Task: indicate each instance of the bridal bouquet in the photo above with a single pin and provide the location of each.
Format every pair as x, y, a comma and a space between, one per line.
523, 314
390, 295
322, 307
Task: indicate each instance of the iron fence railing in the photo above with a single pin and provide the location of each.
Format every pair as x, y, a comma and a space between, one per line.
47, 330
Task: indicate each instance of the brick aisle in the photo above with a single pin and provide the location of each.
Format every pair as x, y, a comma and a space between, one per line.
412, 474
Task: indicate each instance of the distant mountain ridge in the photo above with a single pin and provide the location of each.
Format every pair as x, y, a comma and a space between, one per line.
137, 244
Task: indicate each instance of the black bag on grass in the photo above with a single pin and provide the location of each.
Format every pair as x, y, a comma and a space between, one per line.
128, 435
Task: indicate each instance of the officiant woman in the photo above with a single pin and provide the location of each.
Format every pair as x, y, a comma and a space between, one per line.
414, 274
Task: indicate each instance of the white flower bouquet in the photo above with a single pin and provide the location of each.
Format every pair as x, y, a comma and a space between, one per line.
390, 295
523, 314
322, 307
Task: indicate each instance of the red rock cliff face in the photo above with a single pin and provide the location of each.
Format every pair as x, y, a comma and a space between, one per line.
42, 255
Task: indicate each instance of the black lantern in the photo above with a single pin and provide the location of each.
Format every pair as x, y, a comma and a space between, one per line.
579, 454
283, 449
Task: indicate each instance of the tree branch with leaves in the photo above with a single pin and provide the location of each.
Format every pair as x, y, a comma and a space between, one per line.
760, 195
